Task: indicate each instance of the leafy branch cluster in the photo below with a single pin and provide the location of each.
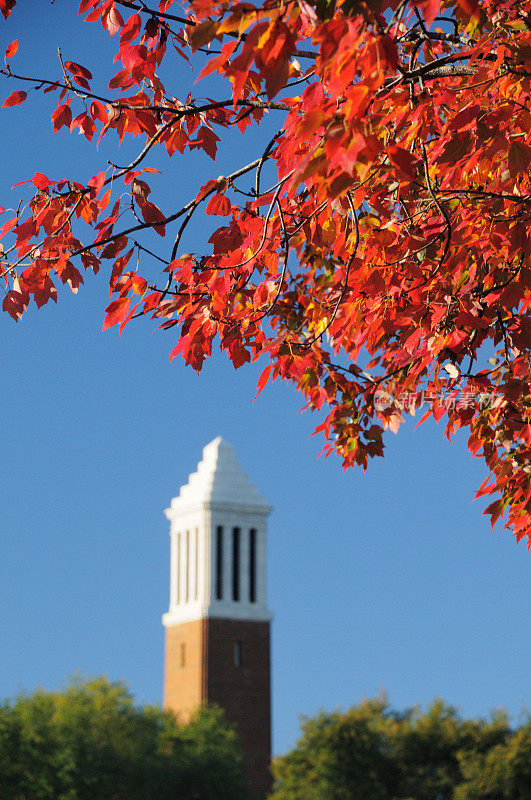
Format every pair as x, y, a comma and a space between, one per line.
389, 254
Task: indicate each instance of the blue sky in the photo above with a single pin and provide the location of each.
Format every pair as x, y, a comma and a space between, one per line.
386, 580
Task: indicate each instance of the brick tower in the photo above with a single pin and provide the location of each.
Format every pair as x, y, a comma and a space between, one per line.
217, 626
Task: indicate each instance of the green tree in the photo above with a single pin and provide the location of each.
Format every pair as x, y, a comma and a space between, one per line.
501, 773
91, 742
340, 756
427, 748
374, 753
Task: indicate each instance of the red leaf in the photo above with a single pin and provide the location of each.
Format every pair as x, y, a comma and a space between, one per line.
430, 9
130, 176
97, 111
262, 380
82, 81
96, 182
84, 5
176, 350
41, 181
238, 354
121, 79
77, 69
519, 158
207, 140
206, 190
14, 303
8, 226
218, 204
402, 160
470, 7
15, 98
131, 29
112, 20
154, 216
113, 248
116, 312
128, 318
61, 116
11, 49
90, 261
119, 266
6, 6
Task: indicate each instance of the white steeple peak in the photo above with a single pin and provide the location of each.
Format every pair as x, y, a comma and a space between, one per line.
218, 542
218, 480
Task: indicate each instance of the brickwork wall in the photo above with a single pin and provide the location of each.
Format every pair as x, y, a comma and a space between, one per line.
185, 683
210, 674
244, 691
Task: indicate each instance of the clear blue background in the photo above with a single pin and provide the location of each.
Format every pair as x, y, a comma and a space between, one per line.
386, 580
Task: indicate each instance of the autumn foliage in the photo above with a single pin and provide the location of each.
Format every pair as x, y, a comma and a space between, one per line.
376, 251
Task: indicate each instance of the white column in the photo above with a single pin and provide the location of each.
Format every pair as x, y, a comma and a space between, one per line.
261, 566
173, 571
201, 563
244, 564
187, 551
210, 560
227, 563
184, 567
192, 573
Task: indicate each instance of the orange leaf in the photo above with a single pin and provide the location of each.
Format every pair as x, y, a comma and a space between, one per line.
139, 284
104, 202
203, 33
11, 49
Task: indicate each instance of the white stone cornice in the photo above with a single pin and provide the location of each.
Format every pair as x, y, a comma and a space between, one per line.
192, 612
180, 510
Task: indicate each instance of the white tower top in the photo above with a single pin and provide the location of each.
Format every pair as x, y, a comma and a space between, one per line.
218, 542
218, 479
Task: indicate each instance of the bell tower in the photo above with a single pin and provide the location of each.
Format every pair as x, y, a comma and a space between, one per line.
217, 628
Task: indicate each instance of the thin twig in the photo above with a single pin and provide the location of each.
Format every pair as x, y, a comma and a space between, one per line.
350, 261
236, 174
266, 222
262, 160
285, 265
442, 211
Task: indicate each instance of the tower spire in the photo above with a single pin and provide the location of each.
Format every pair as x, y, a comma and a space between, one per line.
217, 625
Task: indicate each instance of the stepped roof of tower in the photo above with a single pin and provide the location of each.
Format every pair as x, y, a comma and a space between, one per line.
218, 479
